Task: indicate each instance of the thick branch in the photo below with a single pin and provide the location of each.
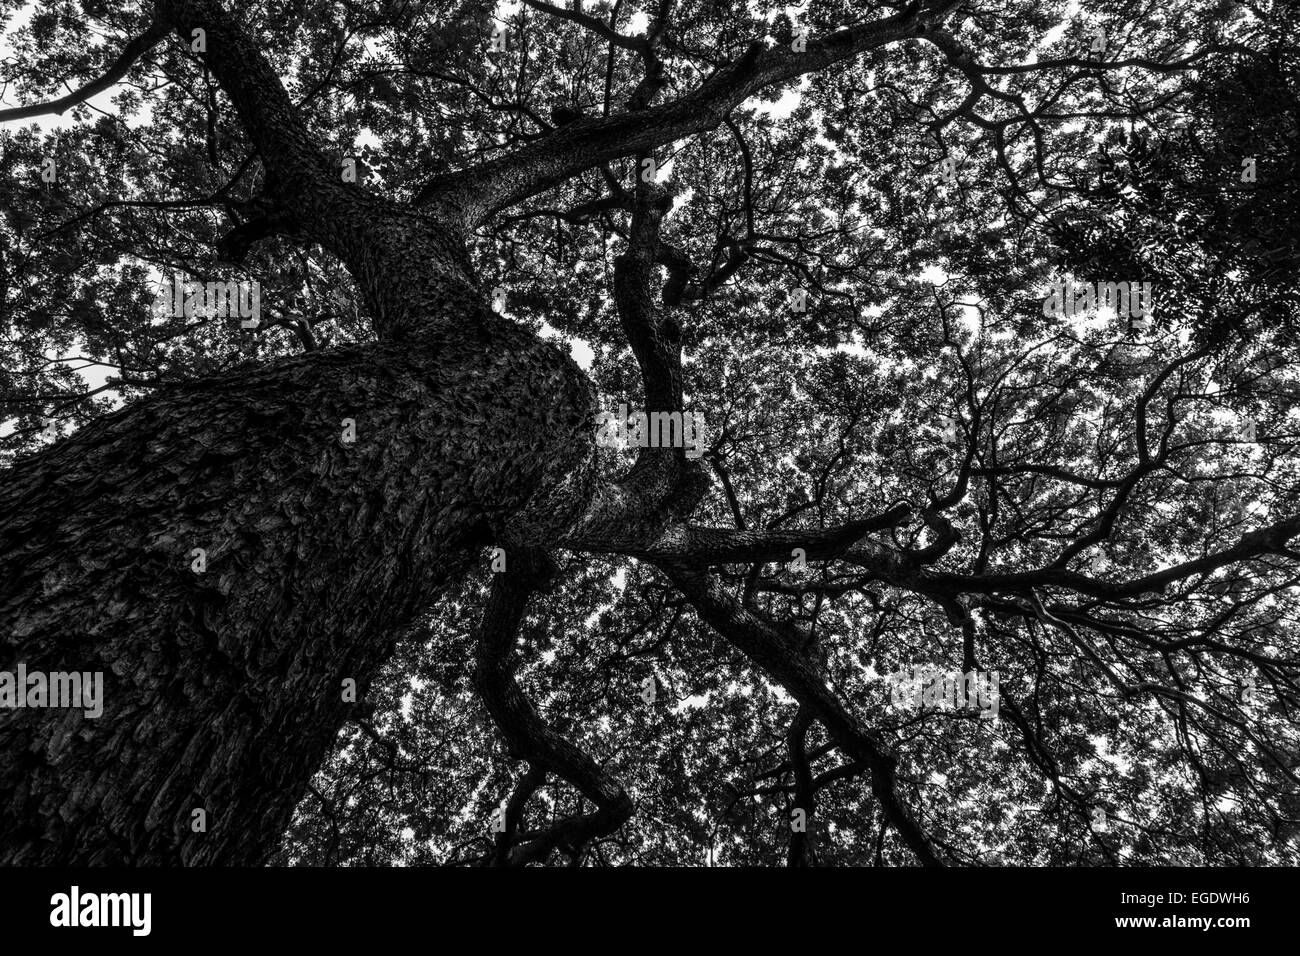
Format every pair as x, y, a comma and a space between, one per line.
657, 349
773, 652
526, 734
805, 794
121, 66
698, 546
635, 44
377, 240
480, 191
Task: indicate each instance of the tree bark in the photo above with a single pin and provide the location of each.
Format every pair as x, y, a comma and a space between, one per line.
223, 689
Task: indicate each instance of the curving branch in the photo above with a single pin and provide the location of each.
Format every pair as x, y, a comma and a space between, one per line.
780, 656
588, 22
1270, 539
132, 52
527, 735
478, 192
655, 342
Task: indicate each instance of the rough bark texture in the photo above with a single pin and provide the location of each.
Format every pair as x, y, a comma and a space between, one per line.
223, 689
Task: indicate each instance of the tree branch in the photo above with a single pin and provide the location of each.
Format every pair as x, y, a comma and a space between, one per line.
478, 192
805, 794
137, 48
699, 546
635, 44
764, 644
527, 735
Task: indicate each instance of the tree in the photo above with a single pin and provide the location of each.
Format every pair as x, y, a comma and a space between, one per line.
911, 458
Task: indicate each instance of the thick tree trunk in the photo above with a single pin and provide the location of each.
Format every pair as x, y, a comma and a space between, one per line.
223, 689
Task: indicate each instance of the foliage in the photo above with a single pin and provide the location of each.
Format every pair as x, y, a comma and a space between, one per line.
1082, 445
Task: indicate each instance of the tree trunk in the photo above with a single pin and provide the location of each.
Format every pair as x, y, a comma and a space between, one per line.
223, 689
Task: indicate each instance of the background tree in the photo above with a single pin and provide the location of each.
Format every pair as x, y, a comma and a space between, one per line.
1102, 514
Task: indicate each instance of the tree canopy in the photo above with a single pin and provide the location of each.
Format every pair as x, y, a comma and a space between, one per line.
849, 218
